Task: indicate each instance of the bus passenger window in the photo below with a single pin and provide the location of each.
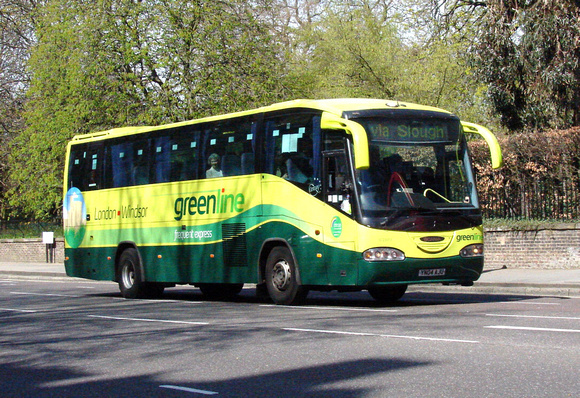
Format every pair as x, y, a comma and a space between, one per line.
293, 147
230, 145
138, 161
184, 155
76, 169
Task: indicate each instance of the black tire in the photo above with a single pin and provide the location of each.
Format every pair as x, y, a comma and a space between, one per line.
281, 278
262, 292
387, 294
130, 278
220, 291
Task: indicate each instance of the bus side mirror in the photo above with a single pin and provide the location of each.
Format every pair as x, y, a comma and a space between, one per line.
494, 148
330, 121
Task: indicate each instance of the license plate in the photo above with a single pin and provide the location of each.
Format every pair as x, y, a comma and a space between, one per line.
432, 272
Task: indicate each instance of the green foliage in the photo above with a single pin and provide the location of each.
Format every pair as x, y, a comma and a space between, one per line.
529, 56
103, 64
29, 230
368, 49
350, 52
15, 37
540, 179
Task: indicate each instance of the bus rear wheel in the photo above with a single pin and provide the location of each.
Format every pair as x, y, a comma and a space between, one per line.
281, 278
387, 294
130, 278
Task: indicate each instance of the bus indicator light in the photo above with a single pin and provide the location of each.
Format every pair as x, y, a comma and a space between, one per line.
472, 251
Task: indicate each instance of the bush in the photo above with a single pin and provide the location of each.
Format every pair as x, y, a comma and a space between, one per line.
540, 178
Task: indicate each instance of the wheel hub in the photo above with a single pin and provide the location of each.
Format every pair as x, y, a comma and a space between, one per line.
128, 276
281, 275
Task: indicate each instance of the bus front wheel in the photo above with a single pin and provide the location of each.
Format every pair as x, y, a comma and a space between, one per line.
281, 278
130, 278
387, 294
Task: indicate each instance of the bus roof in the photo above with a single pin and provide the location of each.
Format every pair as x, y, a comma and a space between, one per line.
335, 106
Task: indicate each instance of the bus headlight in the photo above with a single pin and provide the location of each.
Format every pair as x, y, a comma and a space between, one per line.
472, 251
383, 254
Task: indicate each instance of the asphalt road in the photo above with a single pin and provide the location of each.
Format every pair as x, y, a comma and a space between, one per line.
81, 339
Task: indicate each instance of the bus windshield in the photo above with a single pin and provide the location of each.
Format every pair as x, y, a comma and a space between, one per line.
420, 176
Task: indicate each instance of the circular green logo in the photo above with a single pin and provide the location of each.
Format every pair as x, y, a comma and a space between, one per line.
74, 216
336, 227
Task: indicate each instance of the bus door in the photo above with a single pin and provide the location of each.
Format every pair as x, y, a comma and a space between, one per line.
339, 227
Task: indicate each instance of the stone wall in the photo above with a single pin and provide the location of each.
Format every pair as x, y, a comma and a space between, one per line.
30, 251
555, 248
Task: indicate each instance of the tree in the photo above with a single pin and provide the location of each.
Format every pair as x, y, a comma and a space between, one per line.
16, 38
110, 63
528, 54
374, 48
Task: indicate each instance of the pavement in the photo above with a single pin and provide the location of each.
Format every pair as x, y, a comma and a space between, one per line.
523, 281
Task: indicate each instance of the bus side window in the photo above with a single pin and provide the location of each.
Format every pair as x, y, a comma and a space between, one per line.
121, 157
76, 167
293, 148
95, 170
184, 156
229, 148
85, 167
161, 159
140, 169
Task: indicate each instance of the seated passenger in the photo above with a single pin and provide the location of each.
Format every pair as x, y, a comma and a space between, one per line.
214, 171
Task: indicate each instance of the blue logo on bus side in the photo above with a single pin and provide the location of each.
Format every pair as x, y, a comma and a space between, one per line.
74, 217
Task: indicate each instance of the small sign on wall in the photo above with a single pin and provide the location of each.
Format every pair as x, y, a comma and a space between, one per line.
48, 238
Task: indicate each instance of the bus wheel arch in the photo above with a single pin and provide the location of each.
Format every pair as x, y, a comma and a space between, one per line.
280, 272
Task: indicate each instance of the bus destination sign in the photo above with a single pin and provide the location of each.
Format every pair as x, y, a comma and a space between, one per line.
415, 131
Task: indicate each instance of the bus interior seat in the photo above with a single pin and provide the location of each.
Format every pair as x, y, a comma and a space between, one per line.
248, 163
140, 175
163, 170
294, 172
231, 165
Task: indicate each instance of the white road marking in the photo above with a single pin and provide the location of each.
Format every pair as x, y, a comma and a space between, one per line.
117, 318
533, 329
45, 294
380, 335
526, 303
187, 389
535, 316
327, 308
159, 300
15, 310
